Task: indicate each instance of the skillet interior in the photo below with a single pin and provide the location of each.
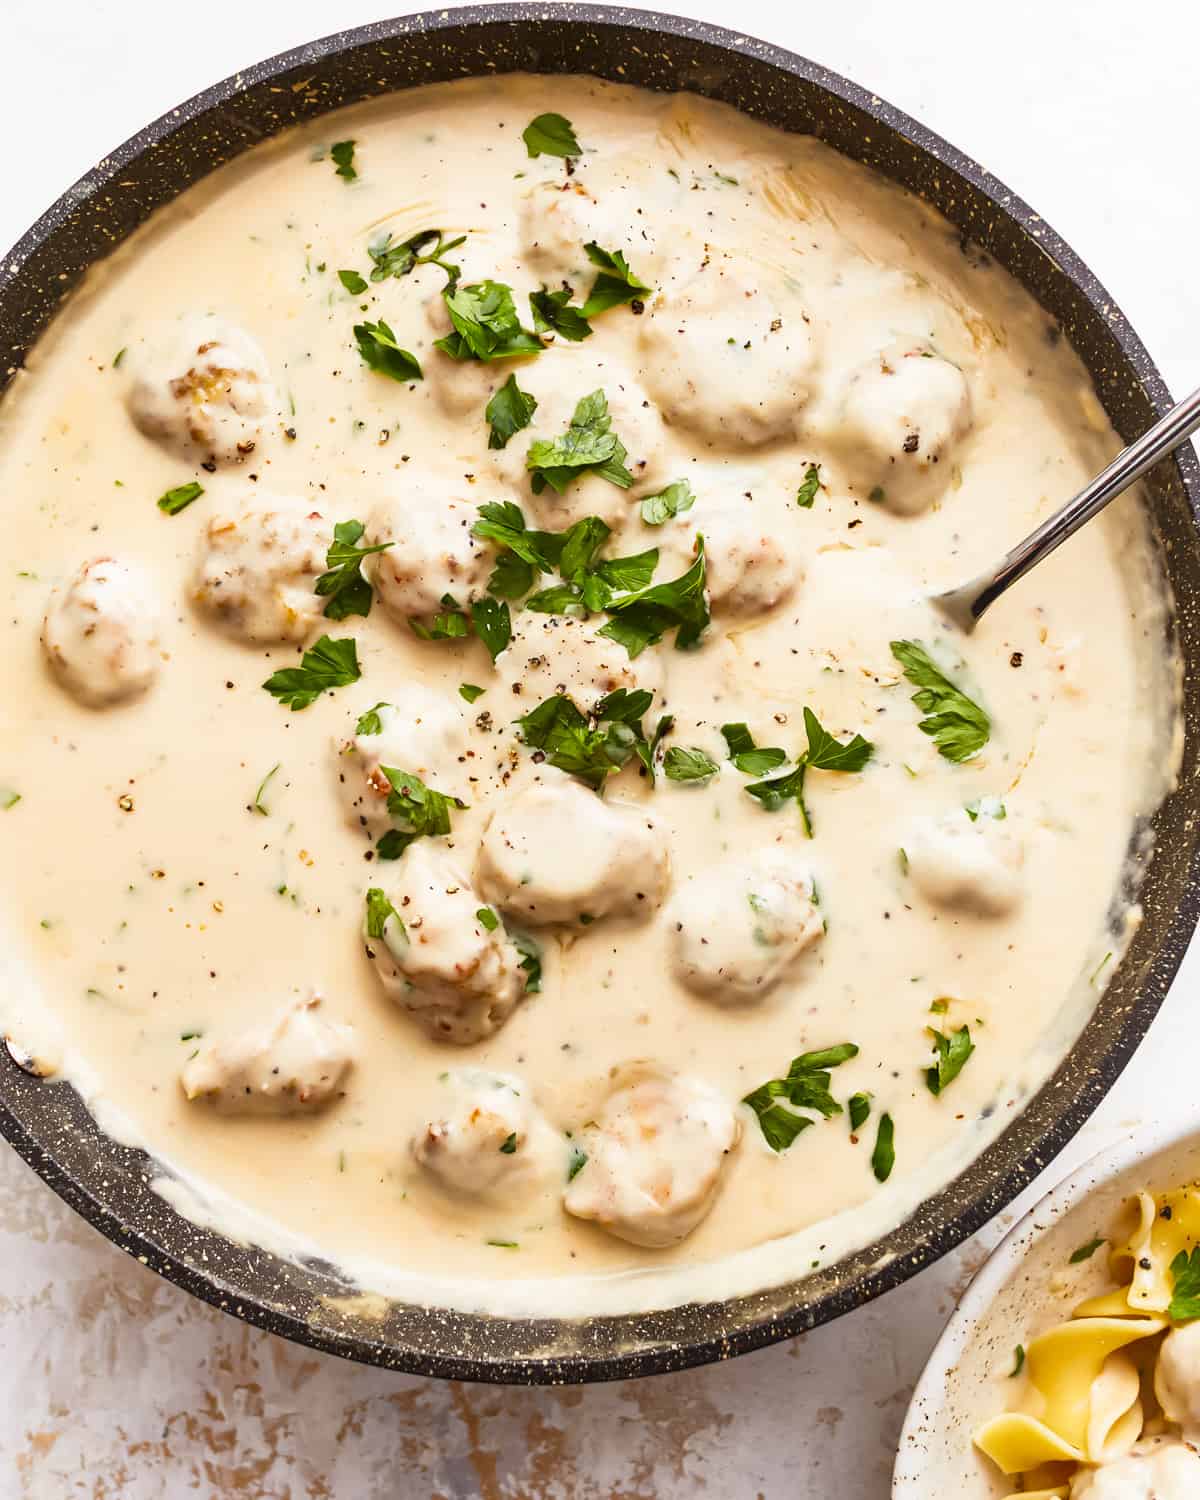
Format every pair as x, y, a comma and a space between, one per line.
108, 1183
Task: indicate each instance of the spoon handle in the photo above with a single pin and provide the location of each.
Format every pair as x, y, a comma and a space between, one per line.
966, 604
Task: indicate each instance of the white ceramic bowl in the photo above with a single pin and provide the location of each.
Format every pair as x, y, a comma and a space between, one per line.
1026, 1285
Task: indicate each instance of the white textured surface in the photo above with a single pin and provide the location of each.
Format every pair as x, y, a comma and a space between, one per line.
113, 1383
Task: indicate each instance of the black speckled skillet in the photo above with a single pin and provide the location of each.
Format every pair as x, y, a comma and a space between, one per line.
108, 1183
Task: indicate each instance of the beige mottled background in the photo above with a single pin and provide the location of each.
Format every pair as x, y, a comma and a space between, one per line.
114, 1384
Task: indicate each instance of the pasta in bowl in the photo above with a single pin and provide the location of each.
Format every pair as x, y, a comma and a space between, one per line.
1071, 1369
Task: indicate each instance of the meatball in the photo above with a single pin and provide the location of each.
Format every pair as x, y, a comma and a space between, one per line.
100, 634
654, 1158
557, 219
1177, 1378
739, 927
556, 852
432, 555
552, 654
205, 391
294, 1063
257, 570
964, 865
723, 358
901, 417
422, 732
490, 1143
457, 976
558, 385
1157, 1469
748, 567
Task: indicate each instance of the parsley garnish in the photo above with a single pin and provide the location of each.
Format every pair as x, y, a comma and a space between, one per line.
576, 1161
553, 313
575, 744
958, 727
1185, 1277
550, 135
588, 445
489, 619
493, 624
486, 325
986, 807
508, 411
379, 910
952, 1053
378, 347
883, 1158
859, 1107
118, 357
353, 282
9, 798
262, 786
370, 722
824, 753
531, 960
419, 811
673, 501
469, 691
689, 764
527, 553
1018, 1361
453, 624
180, 497
404, 257
748, 757
503, 1244
807, 492
328, 664
805, 1087
644, 616
348, 592
509, 1144
343, 159
487, 919
615, 284
1085, 1252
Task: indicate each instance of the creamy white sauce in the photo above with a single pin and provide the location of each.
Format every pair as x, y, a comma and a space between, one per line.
147, 898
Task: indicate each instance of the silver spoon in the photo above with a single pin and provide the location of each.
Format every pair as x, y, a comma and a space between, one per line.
964, 605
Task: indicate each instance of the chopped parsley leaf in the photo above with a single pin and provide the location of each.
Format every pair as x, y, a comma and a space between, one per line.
576, 745
379, 349
343, 159
952, 1054
805, 1087
553, 313
503, 1244
379, 910
416, 809
370, 722
588, 446
118, 357
673, 501
487, 918
1018, 1361
957, 725
883, 1158
493, 624
508, 411
1085, 1252
8, 798
859, 1107
615, 284
180, 497
644, 616
508, 1146
404, 257
682, 763
486, 325
1185, 1277
469, 691
782, 784
550, 135
353, 282
986, 807
576, 1161
749, 758
453, 624
259, 807
347, 591
807, 492
531, 960
328, 664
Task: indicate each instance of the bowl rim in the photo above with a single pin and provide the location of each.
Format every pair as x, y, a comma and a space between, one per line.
929, 1397
754, 1331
